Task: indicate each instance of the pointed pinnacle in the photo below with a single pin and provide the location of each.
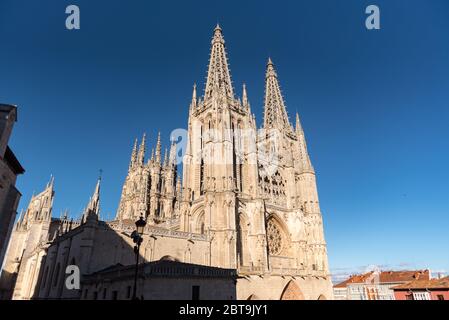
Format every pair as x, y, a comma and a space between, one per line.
298, 123
158, 148
173, 149
270, 69
133, 154
244, 96
141, 156
50, 182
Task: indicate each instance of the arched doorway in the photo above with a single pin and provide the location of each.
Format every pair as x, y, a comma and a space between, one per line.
292, 292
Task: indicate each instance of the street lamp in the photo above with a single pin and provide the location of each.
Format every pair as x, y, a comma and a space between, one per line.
140, 225
137, 238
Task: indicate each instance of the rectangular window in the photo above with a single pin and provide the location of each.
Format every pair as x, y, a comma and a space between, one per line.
421, 296
128, 292
85, 293
114, 295
104, 294
195, 292
95, 295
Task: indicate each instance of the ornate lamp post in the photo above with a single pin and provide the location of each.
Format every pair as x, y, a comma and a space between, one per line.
137, 238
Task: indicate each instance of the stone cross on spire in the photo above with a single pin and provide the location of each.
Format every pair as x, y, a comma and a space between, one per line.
275, 113
218, 74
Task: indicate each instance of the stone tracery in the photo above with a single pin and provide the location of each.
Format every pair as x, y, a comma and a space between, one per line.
275, 238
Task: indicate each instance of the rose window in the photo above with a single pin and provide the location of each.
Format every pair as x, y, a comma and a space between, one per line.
274, 235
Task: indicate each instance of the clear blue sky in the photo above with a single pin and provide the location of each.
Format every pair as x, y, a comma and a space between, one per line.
374, 104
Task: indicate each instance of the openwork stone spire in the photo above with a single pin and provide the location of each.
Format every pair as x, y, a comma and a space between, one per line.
275, 114
218, 75
306, 164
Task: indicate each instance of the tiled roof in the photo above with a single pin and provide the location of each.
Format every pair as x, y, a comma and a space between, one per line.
442, 283
352, 279
400, 276
386, 277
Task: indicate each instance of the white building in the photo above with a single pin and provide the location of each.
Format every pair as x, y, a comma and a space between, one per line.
375, 285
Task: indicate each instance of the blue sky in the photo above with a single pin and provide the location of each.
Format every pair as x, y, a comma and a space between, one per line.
374, 104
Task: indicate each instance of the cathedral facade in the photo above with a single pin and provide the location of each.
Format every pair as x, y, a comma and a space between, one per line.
247, 201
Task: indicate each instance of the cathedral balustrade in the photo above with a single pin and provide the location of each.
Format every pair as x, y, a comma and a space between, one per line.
175, 234
250, 269
282, 262
151, 230
188, 270
288, 271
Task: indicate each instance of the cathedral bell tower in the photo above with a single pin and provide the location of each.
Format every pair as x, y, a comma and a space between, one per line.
214, 161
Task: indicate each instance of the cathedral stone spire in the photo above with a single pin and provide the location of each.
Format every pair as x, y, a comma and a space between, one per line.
172, 159
218, 75
194, 102
96, 197
141, 155
158, 148
51, 182
133, 160
304, 158
275, 113
245, 101
298, 124
93, 207
194, 95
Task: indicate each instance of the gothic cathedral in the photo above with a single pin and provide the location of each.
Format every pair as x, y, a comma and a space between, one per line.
247, 201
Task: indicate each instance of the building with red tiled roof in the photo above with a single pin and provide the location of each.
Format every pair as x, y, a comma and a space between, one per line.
376, 285
434, 289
